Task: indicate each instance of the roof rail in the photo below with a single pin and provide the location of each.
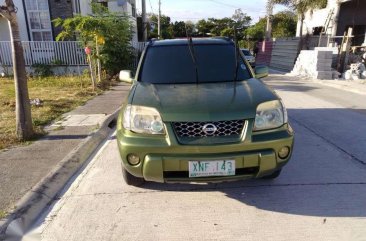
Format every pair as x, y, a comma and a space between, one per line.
222, 37
151, 41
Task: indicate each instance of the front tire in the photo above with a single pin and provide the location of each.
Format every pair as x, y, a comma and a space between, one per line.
273, 175
131, 179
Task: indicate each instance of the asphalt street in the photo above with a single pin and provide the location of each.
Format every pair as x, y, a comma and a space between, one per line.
320, 195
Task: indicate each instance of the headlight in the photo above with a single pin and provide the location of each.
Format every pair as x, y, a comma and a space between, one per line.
271, 114
142, 119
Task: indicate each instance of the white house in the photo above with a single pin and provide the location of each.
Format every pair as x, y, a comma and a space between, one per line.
343, 14
34, 16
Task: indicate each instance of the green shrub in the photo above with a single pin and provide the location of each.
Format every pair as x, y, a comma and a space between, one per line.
42, 70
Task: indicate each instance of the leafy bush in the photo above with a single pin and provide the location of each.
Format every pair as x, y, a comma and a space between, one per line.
42, 70
111, 31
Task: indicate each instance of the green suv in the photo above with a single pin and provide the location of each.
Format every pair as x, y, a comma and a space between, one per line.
197, 113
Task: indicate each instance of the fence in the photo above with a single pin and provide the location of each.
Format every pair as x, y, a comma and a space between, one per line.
263, 56
48, 52
138, 47
70, 53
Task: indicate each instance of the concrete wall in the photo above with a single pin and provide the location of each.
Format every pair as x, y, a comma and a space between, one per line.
63, 9
113, 6
351, 13
315, 19
85, 8
315, 64
4, 29
264, 53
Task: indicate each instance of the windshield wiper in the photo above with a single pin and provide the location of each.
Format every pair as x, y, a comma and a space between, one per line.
236, 56
191, 50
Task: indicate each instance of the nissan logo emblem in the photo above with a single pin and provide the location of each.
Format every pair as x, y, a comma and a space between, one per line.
209, 129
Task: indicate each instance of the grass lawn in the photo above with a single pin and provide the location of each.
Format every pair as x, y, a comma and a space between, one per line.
2, 214
59, 95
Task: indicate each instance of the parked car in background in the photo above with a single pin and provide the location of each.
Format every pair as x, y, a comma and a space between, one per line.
248, 56
196, 112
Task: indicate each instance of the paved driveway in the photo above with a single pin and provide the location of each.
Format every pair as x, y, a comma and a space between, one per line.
320, 195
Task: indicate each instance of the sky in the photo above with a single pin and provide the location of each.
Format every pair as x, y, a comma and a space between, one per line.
194, 10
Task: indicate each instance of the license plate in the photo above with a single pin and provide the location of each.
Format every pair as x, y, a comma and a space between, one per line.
211, 168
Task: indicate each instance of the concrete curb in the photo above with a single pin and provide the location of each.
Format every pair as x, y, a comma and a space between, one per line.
31, 205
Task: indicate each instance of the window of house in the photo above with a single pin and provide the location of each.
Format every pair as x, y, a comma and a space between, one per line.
76, 7
133, 10
104, 3
39, 21
317, 30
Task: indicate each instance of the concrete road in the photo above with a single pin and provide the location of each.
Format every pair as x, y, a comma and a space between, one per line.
320, 195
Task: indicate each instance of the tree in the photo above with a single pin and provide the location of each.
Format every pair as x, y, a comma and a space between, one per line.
24, 126
204, 27
112, 31
301, 7
166, 28
283, 25
242, 20
224, 26
191, 28
257, 31
179, 29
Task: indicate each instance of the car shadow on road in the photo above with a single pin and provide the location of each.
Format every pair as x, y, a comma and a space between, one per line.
289, 85
326, 176
314, 199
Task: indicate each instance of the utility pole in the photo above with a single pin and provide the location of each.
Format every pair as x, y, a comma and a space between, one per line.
144, 22
24, 126
159, 22
346, 48
269, 9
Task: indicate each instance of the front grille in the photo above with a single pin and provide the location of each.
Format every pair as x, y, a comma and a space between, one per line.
196, 129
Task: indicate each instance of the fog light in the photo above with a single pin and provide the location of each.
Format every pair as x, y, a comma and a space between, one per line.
284, 152
133, 159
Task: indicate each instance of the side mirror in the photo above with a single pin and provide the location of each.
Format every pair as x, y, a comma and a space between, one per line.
125, 76
261, 71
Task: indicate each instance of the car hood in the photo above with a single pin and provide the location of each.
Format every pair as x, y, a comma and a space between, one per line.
204, 102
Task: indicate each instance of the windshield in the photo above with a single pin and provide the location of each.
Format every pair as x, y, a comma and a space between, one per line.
246, 52
173, 64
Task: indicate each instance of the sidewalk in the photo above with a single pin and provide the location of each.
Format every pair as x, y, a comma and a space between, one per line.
22, 168
345, 85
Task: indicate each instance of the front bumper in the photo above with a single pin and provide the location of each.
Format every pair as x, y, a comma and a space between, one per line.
164, 159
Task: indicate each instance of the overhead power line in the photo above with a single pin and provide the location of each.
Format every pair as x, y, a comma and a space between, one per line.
224, 4
151, 7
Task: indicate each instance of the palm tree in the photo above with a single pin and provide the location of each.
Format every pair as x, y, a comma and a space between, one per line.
269, 13
24, 127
